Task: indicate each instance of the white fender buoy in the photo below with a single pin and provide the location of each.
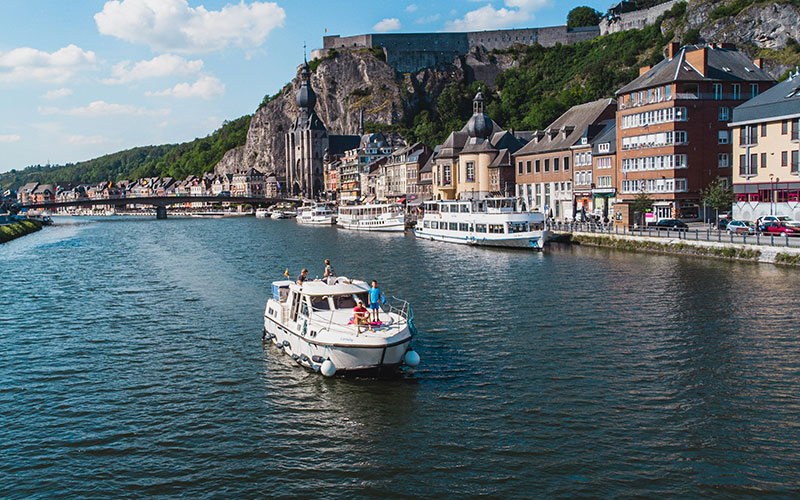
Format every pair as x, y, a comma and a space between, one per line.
411, 358
328, 368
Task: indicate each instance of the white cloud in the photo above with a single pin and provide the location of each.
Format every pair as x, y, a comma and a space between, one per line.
172, 25
429, 19
102, 108
411, 7
487, 17
7, 139
84, 140
163, 65
206, 87
388, 24
56, 94
27, 64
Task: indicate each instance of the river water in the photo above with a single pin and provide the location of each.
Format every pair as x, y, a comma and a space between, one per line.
132, 366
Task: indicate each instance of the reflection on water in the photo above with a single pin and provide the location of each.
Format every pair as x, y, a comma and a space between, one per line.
133, 367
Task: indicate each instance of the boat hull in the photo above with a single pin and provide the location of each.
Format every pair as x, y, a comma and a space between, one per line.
534, 240
374, 225
378, 359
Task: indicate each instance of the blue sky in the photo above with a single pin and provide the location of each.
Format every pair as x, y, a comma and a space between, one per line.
79, 79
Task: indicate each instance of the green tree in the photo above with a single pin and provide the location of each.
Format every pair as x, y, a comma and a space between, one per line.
582, 16
641, 205
717, 196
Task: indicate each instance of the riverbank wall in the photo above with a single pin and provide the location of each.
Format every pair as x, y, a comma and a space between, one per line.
789, 256
14, 230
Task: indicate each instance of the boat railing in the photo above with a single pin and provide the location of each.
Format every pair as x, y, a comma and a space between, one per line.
402, 309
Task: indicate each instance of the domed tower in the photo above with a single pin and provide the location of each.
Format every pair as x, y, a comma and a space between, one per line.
479, 126
306, 142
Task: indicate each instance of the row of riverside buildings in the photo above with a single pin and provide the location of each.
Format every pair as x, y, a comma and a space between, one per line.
705, 112
250, 183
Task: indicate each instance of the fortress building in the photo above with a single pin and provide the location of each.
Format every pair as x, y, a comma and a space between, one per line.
307, 142
411, 52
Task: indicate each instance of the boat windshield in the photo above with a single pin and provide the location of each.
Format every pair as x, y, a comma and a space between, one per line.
349, 301
320, 303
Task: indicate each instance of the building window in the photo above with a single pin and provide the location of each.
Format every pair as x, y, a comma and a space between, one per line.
555, 164
470, 171
528, 167
668, 92
547, 164
722, 160
754, 161
724, 114
447, 175
566, 163
717, 91
737, 91
519, 167
763, 130
538, 166
753, 90
784, 158
763, 160
784, 127
723, 137
794, 162
603, 148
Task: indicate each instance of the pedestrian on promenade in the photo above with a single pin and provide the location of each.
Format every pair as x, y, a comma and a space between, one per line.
375, 299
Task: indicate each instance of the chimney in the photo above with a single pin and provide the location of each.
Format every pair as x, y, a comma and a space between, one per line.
643, 70
699, 60
757, 62
673, 49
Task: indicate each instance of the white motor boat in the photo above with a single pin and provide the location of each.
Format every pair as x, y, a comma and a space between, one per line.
262, 212
375, 217
283, 214
313, 323
318, 213
489, 222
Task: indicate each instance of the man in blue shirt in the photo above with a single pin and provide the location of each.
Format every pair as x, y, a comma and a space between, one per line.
375, 299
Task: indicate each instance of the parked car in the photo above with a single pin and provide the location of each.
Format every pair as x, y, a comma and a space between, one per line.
785, 219
741, 227
675, 224
723, 224
780, 229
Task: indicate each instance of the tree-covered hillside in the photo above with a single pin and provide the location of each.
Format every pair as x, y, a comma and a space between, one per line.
173, 160
546, 82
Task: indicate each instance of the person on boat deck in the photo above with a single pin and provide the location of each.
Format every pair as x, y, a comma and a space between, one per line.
360, 316
375, 299
330, 274
303, 276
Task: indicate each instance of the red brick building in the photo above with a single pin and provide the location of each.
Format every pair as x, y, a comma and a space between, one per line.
672, 126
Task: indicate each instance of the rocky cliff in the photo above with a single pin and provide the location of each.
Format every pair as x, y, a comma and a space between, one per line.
347, 84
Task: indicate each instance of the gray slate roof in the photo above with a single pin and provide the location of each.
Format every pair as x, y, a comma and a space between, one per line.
782, 100
578, 117
723, 65
609, 135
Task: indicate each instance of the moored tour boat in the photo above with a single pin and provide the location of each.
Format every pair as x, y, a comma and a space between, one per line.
487, 222
262, 212
313, 323
375, 217
318, 213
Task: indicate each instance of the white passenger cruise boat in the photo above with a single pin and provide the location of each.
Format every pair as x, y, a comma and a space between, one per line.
318, 213
488, 222
375, 217
313, 323
282, 213
262, 212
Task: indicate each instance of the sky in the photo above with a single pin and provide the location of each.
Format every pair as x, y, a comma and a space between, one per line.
80, 79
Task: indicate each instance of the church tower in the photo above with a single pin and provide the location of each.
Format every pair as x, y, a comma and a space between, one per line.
306, 142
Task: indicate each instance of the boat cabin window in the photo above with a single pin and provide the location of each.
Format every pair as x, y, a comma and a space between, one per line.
320, 303
465, 208
444, 208
518, 227
454, 226
496, 228
463, 226
304, 308
349, 301
434, 225
295, 304
480, 228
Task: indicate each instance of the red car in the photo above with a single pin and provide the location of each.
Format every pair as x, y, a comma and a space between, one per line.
780, 229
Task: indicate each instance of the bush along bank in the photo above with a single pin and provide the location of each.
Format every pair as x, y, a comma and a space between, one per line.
682, 248
788, 259
12, 231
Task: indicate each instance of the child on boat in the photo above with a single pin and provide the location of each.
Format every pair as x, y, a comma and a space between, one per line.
375, 298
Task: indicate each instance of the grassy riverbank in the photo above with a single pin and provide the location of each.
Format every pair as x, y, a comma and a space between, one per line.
9, 232
681, 248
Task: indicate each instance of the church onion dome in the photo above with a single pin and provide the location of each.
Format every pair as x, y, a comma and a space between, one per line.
479, 125
306, 97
